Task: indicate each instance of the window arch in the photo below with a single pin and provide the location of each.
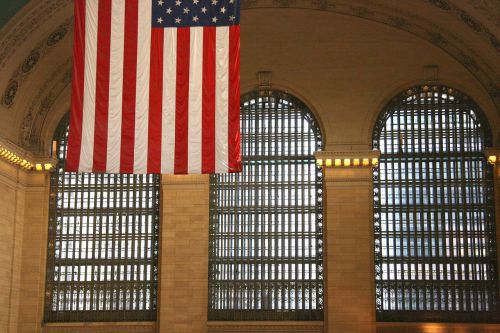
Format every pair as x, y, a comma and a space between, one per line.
102, 253
266, 223
435, 251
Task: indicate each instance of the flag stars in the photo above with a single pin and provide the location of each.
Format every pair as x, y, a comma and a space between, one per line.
195, 18
196, 1
186, 10
223, 10
169, 11
232, 18
204, 10
178, 2
214, 19
214, 2
160, 3
159, 20
178, 20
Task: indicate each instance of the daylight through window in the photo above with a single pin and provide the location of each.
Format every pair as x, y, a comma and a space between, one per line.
266, 224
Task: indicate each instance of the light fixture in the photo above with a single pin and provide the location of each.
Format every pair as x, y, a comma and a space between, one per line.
347, 159
492, 159
15, 159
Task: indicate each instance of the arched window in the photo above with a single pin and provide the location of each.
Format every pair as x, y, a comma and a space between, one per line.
266, 224
435, 251
102, 254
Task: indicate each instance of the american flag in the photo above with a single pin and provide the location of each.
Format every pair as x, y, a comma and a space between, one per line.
155, 87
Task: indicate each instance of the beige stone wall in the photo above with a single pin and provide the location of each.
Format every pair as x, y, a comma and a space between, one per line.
34, 253
184, 254
349, 250
12, 203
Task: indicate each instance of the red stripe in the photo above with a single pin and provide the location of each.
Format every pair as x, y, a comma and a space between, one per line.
155, 101
208, 102
234, 152
76, 116
102, 86
129, 83
182, 101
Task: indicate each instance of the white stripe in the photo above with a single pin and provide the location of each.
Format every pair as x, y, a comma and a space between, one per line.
168, 107
221, 98
88, 120
142, 86
115, 85
195, 99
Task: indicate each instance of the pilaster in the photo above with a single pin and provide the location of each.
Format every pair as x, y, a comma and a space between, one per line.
493, 156
183, 295
34, 252
349, 263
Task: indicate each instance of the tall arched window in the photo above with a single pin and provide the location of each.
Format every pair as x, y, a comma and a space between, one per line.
435, 251
266, 223
102, 254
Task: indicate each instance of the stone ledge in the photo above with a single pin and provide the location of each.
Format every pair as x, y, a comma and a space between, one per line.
384, 327
251, 327
112, 327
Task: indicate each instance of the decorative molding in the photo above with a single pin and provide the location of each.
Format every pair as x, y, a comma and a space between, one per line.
490, 9
34, 15
265, 327
22, 27
99, 328
383, 327
431, 73
469, 20
264, 80
48, 94
26, 67
407, 21
24, 160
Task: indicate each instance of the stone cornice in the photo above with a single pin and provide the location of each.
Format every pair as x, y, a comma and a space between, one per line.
129, 327
185, 180
24, 160
250, 327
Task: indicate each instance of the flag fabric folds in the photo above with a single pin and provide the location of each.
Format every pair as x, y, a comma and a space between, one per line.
155, 87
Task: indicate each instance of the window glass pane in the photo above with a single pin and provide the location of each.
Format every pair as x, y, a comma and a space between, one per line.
266, 223
435, 251
102, 244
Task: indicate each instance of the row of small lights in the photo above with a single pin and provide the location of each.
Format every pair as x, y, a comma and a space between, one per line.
346, 162
22, 162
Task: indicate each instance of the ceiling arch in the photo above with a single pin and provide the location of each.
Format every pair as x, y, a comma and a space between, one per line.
466, 30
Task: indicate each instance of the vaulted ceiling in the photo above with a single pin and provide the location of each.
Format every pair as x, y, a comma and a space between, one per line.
39, 32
